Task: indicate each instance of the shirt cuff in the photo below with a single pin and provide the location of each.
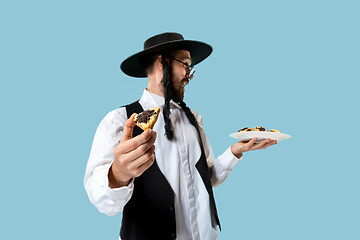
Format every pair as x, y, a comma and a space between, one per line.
120, 193
116, 194
228, 160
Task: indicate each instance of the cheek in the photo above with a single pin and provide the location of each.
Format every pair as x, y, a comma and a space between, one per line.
179, 71
177, 77
176, 84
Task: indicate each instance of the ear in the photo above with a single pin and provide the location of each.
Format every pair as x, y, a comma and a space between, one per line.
158, 62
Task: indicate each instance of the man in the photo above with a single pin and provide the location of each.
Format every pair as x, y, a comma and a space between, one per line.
161, 179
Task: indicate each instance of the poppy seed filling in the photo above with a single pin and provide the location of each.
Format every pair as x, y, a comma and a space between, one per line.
243, 129
144, 117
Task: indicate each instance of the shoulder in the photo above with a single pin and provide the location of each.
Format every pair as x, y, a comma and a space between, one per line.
116, 117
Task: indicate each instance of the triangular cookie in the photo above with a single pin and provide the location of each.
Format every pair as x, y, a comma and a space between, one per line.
147, 119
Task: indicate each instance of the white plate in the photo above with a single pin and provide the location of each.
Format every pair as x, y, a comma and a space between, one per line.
261, 135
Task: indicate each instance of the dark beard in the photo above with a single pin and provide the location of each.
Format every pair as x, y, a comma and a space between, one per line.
171, 93
176, 96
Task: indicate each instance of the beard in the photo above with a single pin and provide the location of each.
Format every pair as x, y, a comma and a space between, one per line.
177, 94
176, 89
173, 90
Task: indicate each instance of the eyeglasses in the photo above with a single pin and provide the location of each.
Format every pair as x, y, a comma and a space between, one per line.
190, 70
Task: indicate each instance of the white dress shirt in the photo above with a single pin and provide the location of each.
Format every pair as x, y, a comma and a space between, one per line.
176, 160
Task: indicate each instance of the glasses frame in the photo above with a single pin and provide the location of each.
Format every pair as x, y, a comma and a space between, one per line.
191, 70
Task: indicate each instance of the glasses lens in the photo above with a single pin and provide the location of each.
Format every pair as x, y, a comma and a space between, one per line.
192, 71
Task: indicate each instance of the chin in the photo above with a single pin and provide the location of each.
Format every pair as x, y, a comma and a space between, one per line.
178, 99
178, 95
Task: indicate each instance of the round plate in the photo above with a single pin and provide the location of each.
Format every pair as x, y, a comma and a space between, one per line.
245, 136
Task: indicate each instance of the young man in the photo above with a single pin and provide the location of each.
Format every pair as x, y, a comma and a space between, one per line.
161, 179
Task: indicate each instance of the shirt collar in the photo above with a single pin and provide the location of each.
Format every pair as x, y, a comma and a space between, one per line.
156, 100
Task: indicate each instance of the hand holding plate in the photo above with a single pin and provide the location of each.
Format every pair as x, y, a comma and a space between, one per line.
244, 146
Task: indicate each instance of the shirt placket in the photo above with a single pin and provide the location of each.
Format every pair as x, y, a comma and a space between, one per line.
189, 177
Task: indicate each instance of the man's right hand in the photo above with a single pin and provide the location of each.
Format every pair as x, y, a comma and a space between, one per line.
132, 155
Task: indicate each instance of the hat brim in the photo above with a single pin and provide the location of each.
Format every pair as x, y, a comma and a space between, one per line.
135, 65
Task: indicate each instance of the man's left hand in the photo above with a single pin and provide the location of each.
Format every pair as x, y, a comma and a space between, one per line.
240, 147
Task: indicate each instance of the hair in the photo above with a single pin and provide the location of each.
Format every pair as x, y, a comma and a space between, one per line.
190, 116
169, 95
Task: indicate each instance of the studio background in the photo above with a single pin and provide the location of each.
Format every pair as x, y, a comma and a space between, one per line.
288, 65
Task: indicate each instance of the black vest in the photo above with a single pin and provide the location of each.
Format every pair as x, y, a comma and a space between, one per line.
150, 213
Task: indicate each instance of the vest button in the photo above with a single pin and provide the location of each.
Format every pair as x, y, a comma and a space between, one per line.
173, 236
172, 208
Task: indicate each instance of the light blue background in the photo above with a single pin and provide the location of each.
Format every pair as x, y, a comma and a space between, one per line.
288, 65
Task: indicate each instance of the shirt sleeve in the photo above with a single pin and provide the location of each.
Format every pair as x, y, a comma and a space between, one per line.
107, 136
221, 166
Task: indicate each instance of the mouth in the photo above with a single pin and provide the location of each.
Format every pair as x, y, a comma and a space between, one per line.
184, 82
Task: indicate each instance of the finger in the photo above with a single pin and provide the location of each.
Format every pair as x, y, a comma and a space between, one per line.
142, 168
272, 142
250, 143
143, 158
260, 144
141, 149
245, 146
267, 144
128, 129
148, 137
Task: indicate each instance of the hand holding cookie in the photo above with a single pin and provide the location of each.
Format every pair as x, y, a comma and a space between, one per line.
132, 156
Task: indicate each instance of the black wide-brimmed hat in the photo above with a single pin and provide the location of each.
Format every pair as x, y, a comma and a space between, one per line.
136, 64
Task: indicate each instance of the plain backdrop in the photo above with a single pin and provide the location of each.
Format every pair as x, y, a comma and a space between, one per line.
288, 65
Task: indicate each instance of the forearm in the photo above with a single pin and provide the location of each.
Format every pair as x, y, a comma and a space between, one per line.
223, 166
107, 200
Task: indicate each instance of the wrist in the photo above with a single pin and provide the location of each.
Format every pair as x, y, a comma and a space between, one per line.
237, 154
114, 180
